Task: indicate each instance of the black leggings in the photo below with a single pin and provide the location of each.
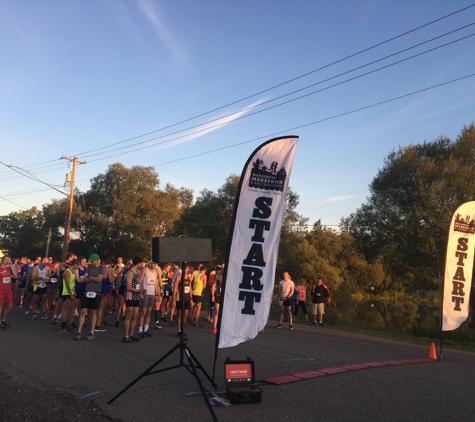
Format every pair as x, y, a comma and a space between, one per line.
301, 304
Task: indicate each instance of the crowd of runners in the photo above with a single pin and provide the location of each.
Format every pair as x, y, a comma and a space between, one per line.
88, 296
83, 293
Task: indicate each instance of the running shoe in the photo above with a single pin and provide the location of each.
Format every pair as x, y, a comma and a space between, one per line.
44, 316
77, 336
198, 325
27, 312
73, 325
100, 329
2, 327
171, 323
54, 320
65, 330
291, 327
127, 340
211, 320
4, 324
163, 319
321, 324
34, 317
279, 326
134, 338
215, 331
141, 334
178, 334
147, 334
314, 323
158, 327
117, 323
90, 336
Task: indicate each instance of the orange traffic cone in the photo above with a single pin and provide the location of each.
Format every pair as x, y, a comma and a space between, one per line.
432, 353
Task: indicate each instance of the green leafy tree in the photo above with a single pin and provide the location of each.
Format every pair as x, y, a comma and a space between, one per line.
210, 217
405, 220
121, 212
22, 233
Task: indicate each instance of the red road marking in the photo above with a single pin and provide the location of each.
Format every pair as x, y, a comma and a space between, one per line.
285, 379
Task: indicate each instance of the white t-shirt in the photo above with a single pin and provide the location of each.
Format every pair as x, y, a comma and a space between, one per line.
286, 288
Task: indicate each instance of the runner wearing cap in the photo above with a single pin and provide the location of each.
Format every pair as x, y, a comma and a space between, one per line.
94, 274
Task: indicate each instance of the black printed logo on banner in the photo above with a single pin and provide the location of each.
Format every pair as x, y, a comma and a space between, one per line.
464, 225
268, 179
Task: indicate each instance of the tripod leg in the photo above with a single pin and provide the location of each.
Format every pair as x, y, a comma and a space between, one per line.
203, 392
143, 374
198, 365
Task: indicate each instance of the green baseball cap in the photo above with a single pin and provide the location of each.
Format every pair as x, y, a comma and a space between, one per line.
93, 257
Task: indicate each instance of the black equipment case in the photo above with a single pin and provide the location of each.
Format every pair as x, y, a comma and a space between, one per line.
240, 381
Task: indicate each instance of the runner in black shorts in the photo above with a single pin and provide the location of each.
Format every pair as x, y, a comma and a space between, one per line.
178, 299
133, 294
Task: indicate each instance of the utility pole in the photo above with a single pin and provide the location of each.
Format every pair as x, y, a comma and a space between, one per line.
67, 228
47, 243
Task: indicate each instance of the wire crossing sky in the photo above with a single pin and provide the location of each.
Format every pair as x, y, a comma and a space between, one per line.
106, 77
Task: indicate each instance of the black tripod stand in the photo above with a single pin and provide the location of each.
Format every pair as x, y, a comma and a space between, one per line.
182, 346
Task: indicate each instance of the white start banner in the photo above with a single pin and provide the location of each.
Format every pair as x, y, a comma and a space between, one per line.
458, 267
248, 279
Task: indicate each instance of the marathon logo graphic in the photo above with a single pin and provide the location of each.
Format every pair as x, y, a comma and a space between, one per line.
464, 225
267, 179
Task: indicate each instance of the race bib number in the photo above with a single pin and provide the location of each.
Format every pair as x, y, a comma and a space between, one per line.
151, 282
138, 286
91, 295
167, 293
53, 280
187, 289
7, 280
42, 285
281, 302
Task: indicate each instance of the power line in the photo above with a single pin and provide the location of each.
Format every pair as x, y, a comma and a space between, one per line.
32, 177
291, 93
274, 106
24, 193
286, 82
282, 96
14, 203
317, 121
280, 84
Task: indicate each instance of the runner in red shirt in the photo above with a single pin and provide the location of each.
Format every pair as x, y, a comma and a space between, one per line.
7, 271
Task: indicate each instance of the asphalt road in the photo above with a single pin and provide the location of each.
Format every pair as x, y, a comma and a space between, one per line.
51, 364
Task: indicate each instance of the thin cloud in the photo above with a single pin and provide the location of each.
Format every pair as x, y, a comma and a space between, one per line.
146, 7
335, 199
210, 127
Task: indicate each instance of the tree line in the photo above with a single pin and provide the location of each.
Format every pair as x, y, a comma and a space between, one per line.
394, 241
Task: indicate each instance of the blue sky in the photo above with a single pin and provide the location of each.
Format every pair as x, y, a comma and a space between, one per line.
81, 77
